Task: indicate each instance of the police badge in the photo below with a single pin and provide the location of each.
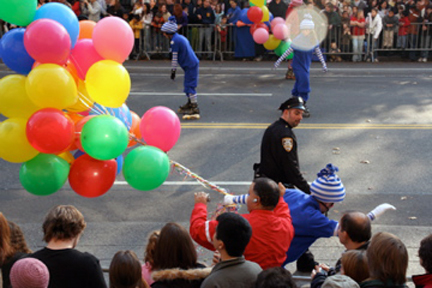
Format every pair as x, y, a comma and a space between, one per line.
287, 143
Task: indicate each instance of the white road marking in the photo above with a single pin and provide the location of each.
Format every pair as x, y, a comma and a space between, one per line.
202, 94
195, 183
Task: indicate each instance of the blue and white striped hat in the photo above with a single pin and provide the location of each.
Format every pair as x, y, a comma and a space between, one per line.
170, 27
328, 187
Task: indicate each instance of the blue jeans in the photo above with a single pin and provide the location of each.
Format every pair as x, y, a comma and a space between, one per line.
357, 49
426, 44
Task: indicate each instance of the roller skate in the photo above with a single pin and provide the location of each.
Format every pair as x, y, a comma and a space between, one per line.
192, 113
184, 108
290, 74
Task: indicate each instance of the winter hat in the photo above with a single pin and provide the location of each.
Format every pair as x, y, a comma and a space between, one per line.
170, 27
29, 273
307, 23
328, 187
339, 281
296, 3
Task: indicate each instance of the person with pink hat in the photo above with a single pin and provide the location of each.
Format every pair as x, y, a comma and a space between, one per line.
29, 273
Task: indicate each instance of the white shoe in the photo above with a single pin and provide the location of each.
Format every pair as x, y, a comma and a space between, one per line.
376, 60
424, 60
420, 60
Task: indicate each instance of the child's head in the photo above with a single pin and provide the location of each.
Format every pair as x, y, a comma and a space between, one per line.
345, 14
333, 45
391, 13
355, 10
425, 253
354, 265
374, 12
157, 16
275, 277
360, 14
345, 26
125, 270
218, 8
136, 17
224, 19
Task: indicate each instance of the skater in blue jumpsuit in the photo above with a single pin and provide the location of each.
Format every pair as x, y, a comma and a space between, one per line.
302, 59
183, 55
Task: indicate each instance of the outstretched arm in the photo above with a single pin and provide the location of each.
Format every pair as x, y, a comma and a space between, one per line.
201, 229
284, 55
379, 210
321, 58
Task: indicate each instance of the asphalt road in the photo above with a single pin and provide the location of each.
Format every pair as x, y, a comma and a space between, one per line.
373, 121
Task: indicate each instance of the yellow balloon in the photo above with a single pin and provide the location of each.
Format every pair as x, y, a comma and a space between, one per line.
14, 101
272, 43
266, 14
67, 156
50, 85
258, 3
108, 83
14, 146
84, 100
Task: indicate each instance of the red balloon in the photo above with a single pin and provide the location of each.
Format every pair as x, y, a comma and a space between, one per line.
78, 128
255, 14
50, 131
91, 178
256, 26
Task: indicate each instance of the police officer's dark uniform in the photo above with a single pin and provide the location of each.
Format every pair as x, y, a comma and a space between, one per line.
279, 160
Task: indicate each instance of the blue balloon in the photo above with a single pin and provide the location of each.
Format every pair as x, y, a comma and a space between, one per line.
122, 113
62, 14
78, 153
13, 52
119, 161
243, 16
271, 17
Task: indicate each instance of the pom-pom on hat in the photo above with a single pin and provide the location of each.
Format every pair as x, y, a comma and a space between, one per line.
29, 273
170, 27
307, 23
328, 187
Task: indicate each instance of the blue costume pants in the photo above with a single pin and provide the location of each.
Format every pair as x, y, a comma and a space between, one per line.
190, 80
301, 85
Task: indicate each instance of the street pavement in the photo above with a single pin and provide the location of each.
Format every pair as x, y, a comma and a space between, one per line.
373, 121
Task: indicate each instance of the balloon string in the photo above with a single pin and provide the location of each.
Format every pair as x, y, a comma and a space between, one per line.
183, 170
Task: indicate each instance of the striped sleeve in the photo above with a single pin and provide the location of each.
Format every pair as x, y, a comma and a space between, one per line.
284, 55
321, 57
174, 62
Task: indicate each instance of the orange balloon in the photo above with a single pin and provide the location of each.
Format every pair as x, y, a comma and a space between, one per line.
135, 129
74, 116
86, 29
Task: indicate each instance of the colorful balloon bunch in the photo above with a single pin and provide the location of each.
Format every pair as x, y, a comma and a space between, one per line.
70, 95
273, 33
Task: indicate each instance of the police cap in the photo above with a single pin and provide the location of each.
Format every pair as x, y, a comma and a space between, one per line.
293, 102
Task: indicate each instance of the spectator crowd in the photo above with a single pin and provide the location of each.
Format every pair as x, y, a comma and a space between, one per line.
250, 250
357, 29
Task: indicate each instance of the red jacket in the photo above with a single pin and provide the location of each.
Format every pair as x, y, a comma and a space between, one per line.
422, 281
404, 23
272, 232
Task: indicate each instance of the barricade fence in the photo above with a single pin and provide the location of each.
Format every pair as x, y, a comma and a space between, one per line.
217, 42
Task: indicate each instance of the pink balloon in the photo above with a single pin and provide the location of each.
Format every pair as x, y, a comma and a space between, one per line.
160, 127
275, 21
260, 35
83, 56
280, 31
47, 41
113, 39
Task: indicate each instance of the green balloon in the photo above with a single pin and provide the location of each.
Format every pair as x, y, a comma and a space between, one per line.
18, 12
43, 175
146, 168
104, 137
283, 46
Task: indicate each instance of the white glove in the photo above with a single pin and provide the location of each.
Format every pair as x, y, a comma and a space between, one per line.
235, 199
228, 200
379, 210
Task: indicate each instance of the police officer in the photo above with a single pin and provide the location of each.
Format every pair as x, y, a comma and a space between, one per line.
279, 160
